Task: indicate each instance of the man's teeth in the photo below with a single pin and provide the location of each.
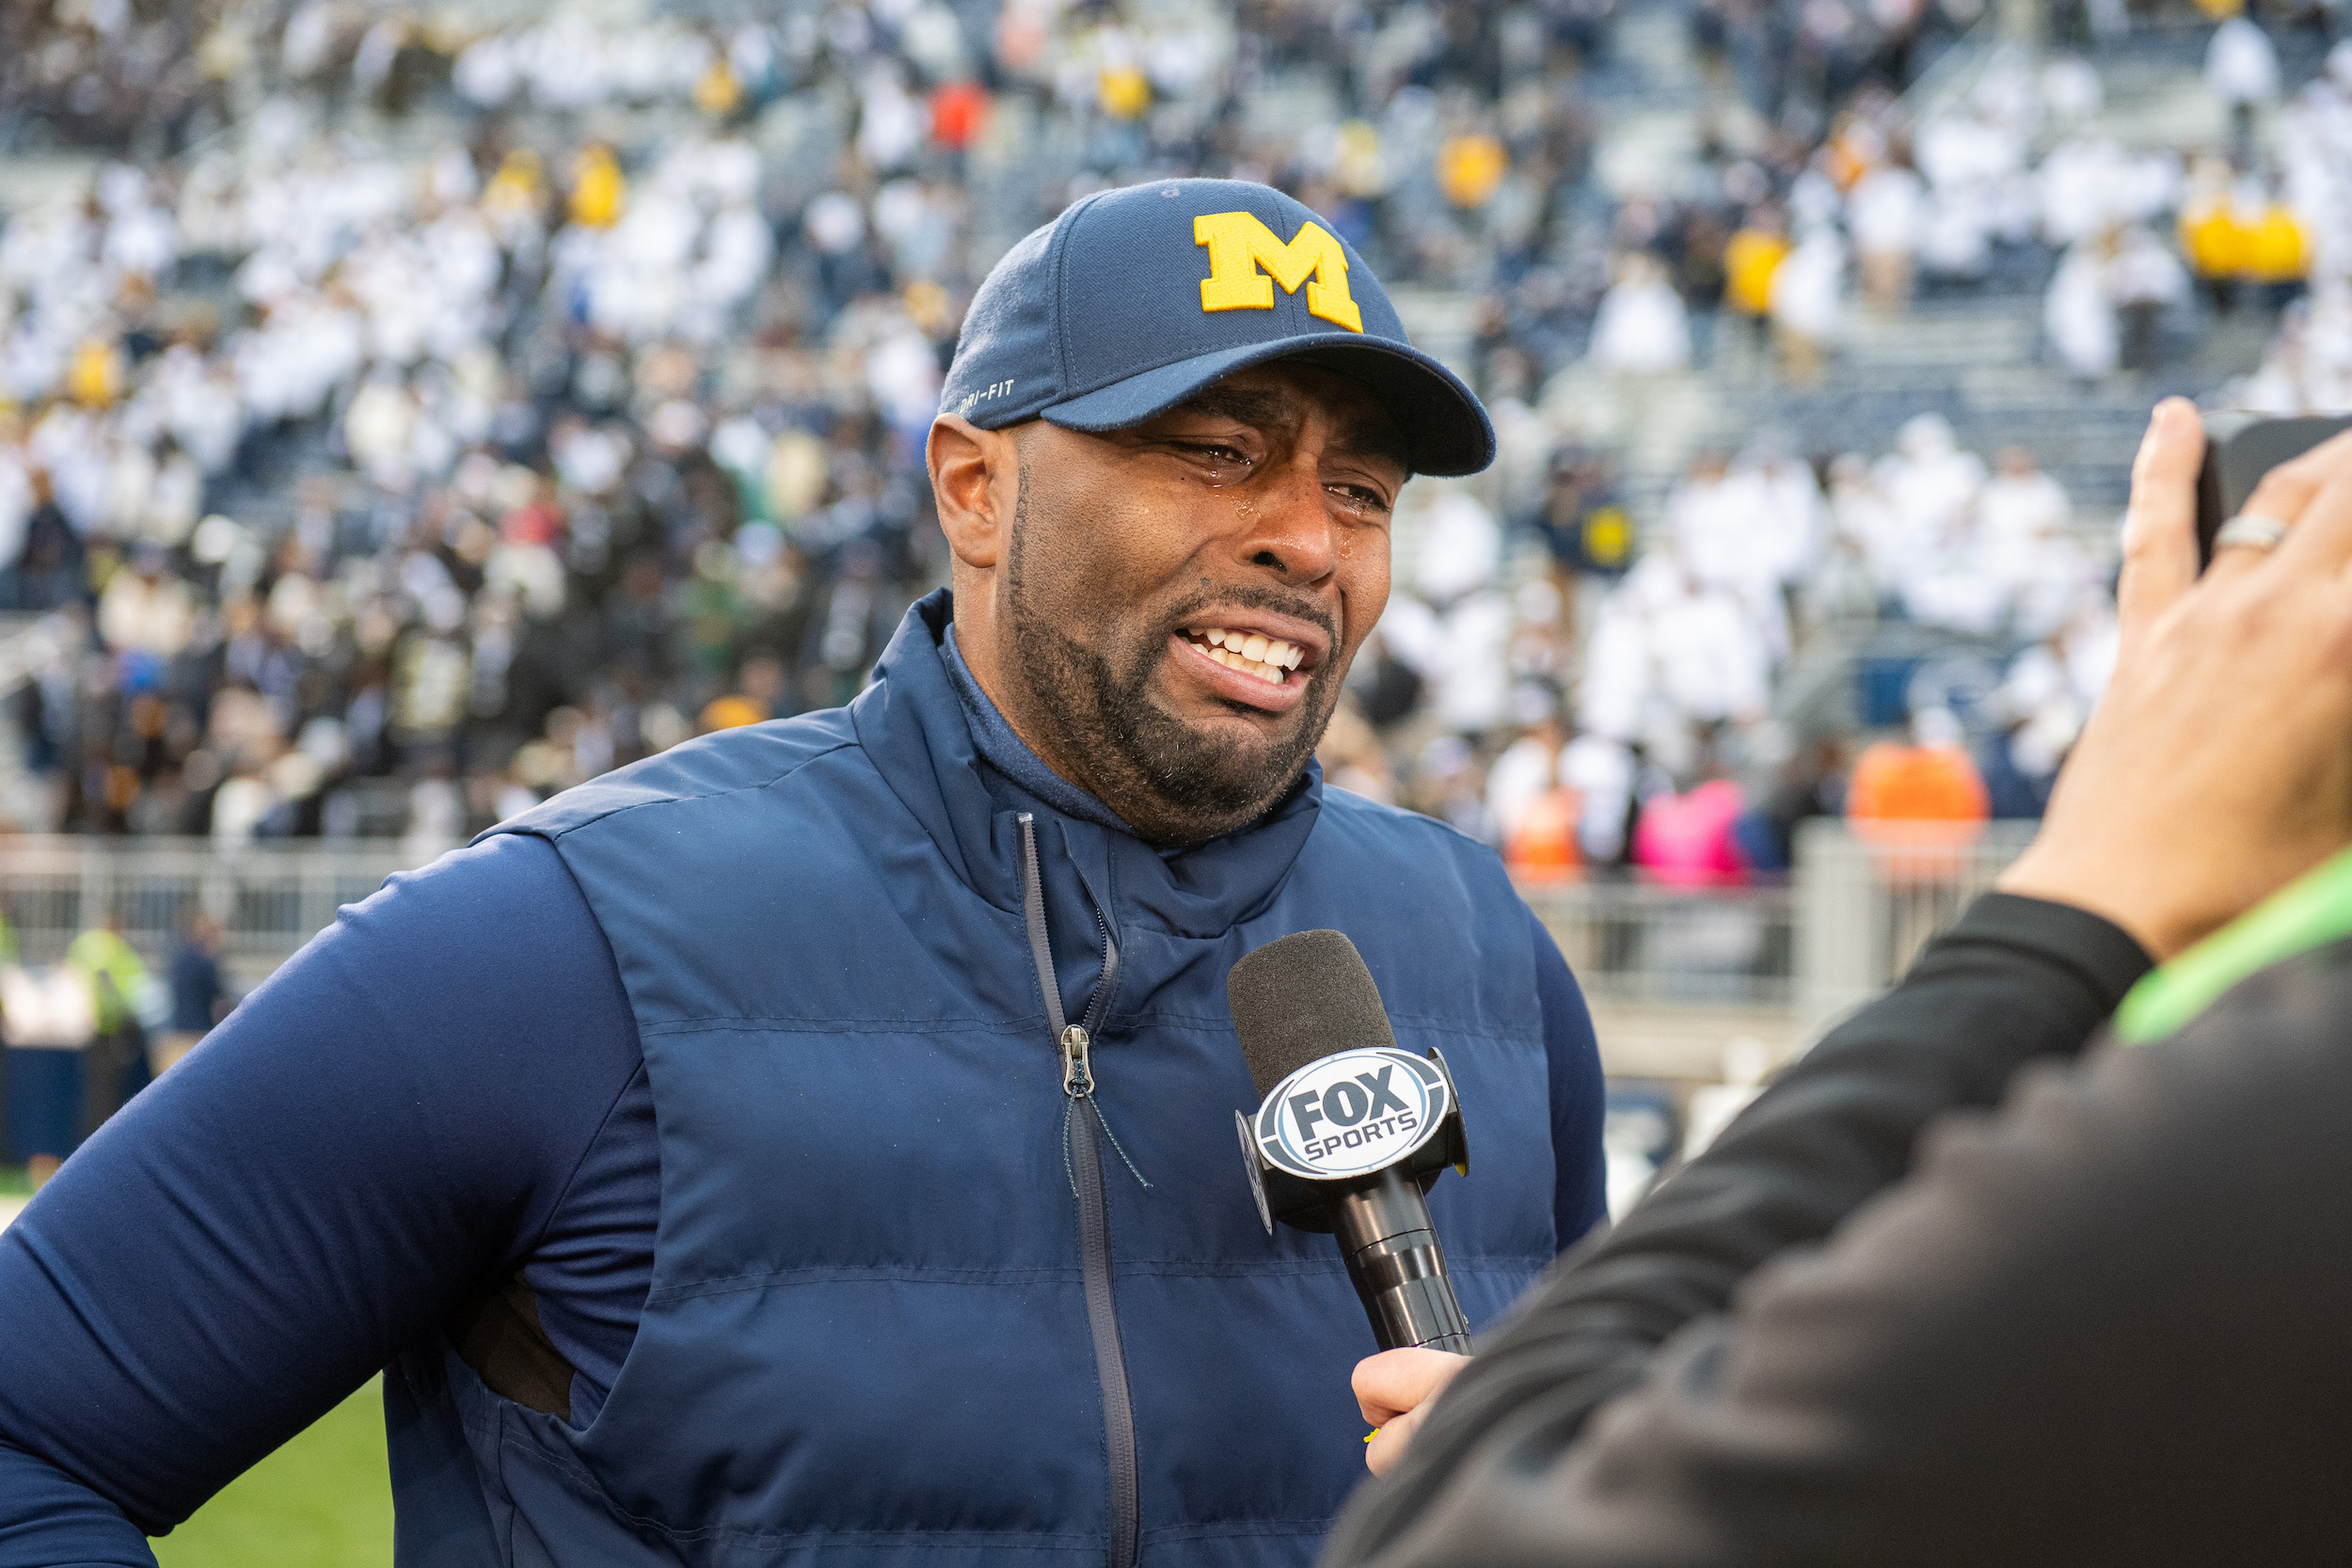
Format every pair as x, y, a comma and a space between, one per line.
1252, 652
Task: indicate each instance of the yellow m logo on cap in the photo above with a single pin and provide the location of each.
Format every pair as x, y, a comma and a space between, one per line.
1239, 245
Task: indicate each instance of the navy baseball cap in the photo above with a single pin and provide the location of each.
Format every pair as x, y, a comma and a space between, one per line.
1134, 299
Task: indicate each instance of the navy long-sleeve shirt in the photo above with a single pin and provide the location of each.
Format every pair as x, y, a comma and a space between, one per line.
443, 1090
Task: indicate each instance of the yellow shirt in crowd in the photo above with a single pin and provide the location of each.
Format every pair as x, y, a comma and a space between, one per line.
2221, 244
598, 189
2276, 252
1750, 260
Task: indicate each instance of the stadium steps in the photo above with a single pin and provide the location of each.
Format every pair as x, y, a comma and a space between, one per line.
1939, 338
1821, 691
1978, 357
1648, 65
1649, 87
1442, 323
33, 180
1978, 362
1814, 694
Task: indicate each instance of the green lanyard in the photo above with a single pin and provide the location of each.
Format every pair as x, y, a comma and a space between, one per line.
2307, 913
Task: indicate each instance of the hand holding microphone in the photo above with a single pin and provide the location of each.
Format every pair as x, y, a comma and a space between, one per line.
1352, 1131
1395, 1390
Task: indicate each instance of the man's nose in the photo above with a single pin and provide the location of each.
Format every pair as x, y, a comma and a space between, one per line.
1286, 524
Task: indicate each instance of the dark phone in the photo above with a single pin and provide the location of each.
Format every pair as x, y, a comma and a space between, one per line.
2239, 450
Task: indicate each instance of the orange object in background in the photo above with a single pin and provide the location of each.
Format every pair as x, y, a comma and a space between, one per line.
958, 114
1543, 848
1853, 151
1918, 806
1898, 783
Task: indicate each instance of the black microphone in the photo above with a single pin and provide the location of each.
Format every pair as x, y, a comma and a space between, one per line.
1353, 1130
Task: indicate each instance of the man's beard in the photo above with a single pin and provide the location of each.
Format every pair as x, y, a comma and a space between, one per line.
1194, 787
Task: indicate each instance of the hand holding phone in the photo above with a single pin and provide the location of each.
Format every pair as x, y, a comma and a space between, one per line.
2217, 766
2239, 450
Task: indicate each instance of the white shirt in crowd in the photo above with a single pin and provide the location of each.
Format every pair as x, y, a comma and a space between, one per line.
1887, 211
2241, 63
1641, 325
1807, 285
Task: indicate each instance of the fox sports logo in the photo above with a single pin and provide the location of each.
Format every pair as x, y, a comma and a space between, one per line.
1351, 1113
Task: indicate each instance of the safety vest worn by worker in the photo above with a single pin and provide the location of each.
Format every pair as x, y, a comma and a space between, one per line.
868, 1337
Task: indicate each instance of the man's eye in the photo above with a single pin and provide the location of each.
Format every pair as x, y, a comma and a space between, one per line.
1224, 457
1364, 503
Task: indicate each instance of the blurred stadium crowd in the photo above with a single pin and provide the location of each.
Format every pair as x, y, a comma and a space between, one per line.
421, 412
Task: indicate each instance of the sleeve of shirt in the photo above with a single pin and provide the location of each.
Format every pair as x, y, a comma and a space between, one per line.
2017, 979
2101, 1329
380, 1128
1578, 1094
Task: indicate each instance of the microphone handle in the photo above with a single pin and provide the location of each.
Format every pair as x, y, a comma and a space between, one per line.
1397, 1265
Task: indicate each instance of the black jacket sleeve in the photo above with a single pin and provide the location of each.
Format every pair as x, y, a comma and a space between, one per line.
2014, 980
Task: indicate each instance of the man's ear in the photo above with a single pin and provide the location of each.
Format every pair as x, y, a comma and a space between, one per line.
976, 476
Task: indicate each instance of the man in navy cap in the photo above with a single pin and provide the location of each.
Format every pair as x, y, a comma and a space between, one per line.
815, 1144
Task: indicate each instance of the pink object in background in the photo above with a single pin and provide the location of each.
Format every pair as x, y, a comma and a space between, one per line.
1685, 840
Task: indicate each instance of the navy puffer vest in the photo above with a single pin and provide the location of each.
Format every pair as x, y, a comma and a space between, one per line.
868, 1337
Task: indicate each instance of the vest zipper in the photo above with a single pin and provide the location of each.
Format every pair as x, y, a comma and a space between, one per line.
1074, 1041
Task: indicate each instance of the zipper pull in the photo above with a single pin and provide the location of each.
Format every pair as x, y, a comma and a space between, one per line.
1077, 1076
1077, 1081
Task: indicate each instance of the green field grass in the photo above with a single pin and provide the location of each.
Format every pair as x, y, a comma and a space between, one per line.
322, 1501
13, 1182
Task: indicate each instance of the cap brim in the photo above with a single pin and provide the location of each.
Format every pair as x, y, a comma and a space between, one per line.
1446, 430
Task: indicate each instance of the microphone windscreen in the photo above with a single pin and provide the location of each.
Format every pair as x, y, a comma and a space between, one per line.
1301, 998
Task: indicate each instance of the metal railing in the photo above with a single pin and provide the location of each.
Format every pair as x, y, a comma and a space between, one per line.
1841, 931
269, 898
1631, 942
1844, 928
1865, 906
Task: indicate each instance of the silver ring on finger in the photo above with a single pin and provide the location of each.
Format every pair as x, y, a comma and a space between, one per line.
2251, 530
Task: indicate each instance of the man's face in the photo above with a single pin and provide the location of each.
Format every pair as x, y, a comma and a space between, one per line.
1260, 509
